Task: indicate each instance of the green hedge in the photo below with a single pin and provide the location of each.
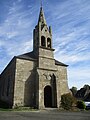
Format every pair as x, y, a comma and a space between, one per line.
81, 104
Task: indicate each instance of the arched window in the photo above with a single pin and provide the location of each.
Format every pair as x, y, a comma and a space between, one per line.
48, 42
43, 42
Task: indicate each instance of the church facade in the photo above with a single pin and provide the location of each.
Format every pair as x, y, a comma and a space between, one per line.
35, 79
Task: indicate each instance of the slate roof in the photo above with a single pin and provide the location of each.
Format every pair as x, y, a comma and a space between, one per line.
60, 63
27, 56
31, 56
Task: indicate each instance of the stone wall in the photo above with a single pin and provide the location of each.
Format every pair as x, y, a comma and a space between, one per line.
62, 85
7, 83
45, 79
63, 79
46, 59
27, 82
46, 63
46, 52
24, 83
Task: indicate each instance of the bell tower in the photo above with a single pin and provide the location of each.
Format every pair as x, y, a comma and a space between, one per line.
42, 34
42, 43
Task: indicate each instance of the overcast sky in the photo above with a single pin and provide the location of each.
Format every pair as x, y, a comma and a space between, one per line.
70, 21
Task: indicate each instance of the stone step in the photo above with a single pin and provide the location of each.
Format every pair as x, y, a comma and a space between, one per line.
50, 109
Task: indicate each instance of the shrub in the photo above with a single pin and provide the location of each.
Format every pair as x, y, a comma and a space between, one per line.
67, 101
81, 104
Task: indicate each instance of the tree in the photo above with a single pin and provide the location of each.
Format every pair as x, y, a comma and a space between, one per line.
86, 87
74, 90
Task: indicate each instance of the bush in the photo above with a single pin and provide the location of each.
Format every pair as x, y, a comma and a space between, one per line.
67, 101
81, 104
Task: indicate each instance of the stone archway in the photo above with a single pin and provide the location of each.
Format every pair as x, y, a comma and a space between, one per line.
48, 96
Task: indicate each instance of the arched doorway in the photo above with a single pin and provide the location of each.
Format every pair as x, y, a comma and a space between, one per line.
48, 96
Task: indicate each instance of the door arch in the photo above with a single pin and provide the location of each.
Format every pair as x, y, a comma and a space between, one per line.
48, 96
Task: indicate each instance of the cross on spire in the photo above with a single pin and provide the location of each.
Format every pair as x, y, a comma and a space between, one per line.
41, 15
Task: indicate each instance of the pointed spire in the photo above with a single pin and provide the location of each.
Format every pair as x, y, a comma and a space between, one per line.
41, 16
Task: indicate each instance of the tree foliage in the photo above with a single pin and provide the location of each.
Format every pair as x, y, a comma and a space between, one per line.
74, 90
86, 87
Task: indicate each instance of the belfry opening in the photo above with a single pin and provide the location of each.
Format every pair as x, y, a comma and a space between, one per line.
43, 42
48, 42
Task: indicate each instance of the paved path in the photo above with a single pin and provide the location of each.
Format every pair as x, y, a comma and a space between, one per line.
45, 115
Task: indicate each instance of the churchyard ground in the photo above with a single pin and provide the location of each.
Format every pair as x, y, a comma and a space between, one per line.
44, 115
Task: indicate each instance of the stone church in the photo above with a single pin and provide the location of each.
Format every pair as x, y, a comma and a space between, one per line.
35, 79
